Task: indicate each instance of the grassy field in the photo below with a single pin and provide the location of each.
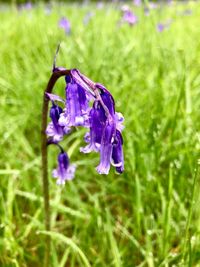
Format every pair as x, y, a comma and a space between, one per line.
148, 216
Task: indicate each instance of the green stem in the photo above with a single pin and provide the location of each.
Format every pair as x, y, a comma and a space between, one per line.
54, 77
190, 212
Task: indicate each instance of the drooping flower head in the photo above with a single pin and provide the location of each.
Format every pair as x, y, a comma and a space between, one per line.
104, 123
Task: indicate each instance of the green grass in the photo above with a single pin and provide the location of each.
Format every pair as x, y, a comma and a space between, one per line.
148, 216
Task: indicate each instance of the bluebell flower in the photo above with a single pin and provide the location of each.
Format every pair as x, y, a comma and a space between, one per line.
27, 6
106, 147
117, 153
162, 26
54, 130
97, 121
64, 171
137, 2
104, 123
105, 133
77, 105
153, 5
65, 24
130, 18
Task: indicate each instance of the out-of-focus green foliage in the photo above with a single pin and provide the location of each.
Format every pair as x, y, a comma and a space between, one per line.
148, 216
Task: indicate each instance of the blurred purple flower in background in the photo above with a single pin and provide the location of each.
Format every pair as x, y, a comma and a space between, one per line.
125, 8
153, 5
65, 24
137, 2
162, 26
27, 6
100, 5
129, 17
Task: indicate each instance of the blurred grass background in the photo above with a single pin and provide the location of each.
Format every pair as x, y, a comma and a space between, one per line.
148, 216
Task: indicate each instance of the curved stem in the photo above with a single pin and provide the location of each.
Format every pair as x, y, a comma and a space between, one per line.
54, 77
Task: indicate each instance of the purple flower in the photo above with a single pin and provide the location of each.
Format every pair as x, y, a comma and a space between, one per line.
137, 2
125, 8
54, 130
64, 171
84, 82
162, 26
65, 24
76, 111
106, 147
100, 5
153, 5
130, 18
28, 6
97, 121
104, 136
117, 153
104, 123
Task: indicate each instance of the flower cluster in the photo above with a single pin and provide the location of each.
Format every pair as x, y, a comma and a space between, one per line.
100, 118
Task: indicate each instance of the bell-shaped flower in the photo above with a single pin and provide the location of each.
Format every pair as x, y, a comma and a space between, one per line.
106, 148
64, 171
54, 130
76, 111
97, 121
107, 99
105, 132
117, 153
